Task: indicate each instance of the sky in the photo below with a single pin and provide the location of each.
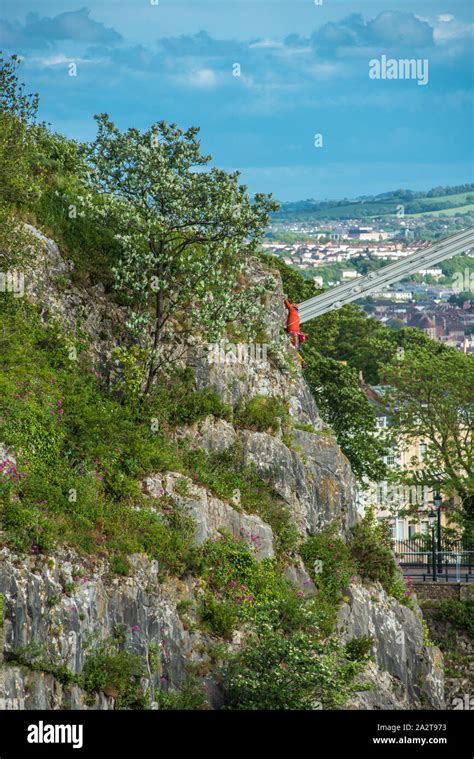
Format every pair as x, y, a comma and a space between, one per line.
262, 80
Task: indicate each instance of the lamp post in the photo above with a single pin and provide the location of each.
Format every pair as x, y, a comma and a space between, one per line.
432, 520
437, 501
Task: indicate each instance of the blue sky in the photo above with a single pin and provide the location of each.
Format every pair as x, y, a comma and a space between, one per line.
303, 70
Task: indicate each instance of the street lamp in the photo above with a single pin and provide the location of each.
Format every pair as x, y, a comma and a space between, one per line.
432, 520
437, 501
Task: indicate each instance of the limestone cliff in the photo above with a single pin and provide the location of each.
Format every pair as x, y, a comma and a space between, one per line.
63, 605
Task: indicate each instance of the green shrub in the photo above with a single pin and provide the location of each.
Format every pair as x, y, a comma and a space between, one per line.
190, 696
262, 413
120, 566
371, 547
117, 673
219, 617
175, 401
39, 658
358, 649
72, 483
257, 591
328, 561
289, 672
459, 613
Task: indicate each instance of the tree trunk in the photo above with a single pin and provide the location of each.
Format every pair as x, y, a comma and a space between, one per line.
159, 314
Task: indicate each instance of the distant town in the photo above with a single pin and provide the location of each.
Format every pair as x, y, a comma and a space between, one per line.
438, 300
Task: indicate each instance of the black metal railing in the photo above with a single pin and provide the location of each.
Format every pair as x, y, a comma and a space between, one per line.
455, 565
419, 552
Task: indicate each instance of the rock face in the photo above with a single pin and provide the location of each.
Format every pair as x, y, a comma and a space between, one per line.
406, 672
456, 643
212, 516
308, 471
48, 285
67, 605
313, 476
46, 604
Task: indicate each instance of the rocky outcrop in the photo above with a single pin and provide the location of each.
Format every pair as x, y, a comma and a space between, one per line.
60, 617
211, 516
90, 312
306, 469
454, 641
65, 616
405, 673
60, 608
313, 476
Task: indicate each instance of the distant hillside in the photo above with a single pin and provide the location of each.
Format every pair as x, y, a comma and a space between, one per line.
452, 200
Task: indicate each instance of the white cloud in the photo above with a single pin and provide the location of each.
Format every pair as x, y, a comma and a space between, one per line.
447, 28
204, 79
266, 43
58, 60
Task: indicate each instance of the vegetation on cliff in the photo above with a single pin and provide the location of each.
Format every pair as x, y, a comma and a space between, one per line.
78, 444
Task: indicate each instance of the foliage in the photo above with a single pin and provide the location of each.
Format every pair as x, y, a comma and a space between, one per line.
292, 671
58, 166
190, 696
350, 335
117, 673
432, 400
132, 362
358, 649
219, 617
228, 478
185, 235
328, 561
17, 113
371, 548
175, 401
459, 613
262, 413
284, 664
39, 658
297, 289
344, 406
252, 592
71, 484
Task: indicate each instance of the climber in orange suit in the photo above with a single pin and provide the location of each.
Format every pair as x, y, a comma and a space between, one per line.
293, 322
293, 328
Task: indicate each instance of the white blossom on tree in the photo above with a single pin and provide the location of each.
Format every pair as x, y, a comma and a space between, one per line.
186, 231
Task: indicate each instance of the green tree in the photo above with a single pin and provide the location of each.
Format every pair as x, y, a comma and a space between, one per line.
17, 114
432, 399
346, 409
186, 233
350, 335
